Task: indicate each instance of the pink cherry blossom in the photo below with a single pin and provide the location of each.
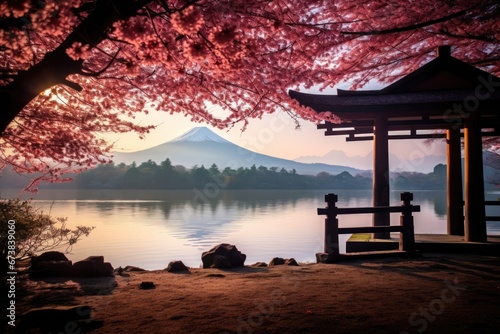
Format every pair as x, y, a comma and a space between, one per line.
188, 21
72, 70
16, 8
78, 51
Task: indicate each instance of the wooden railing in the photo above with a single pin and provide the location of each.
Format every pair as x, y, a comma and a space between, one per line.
332, 229
492, 218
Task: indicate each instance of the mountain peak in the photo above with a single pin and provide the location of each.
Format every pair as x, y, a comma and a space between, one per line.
200, 134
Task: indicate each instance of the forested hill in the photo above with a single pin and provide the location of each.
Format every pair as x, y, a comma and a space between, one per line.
150, 175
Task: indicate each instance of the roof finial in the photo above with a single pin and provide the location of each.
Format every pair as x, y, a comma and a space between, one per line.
444, 51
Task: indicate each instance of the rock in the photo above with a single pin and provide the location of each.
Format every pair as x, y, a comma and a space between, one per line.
176, 266
85, 268
221, 262
53, 317
96, 259
147, 285
120, 271
132, 268
93, 266
233, 255
50, 264
48, 256
258, 264
326, 258
277, 261
123, 271
51, 269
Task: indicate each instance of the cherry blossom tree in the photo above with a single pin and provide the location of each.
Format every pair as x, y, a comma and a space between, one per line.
71, 70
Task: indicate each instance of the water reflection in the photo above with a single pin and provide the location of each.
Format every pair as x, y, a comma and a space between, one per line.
440, 205
149, 228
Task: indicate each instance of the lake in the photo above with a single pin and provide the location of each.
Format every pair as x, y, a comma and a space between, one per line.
149, 228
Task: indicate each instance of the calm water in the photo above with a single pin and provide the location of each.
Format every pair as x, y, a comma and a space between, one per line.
151, 228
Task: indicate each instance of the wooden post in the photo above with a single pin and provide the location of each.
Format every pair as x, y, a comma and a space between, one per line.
475, 216
454, 186
407, 236
381, 175
331, 226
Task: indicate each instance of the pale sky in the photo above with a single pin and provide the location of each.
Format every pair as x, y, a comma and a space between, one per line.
273, 135
276, 135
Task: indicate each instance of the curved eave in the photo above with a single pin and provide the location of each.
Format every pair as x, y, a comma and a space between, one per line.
407, 104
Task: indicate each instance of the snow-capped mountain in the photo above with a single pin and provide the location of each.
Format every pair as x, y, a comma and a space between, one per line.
200, 134
201, 146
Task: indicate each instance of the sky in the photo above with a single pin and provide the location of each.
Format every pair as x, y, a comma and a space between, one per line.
273, 135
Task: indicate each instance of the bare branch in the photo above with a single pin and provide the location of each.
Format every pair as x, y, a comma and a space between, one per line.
96, 74
406, 28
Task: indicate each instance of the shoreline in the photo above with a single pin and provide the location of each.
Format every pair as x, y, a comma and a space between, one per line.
435, 293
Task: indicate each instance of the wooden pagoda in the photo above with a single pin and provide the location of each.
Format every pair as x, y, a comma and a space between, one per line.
445, 94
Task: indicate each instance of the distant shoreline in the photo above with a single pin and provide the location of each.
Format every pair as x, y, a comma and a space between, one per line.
150, 175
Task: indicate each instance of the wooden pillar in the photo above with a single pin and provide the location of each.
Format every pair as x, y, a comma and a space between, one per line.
454, 186
475, 217
331, 226
407, 236
381, 174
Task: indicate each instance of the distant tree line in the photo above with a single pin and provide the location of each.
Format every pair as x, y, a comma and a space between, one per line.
150, 175
420, 181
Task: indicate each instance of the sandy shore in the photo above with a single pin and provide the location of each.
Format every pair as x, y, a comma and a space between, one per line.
435, 293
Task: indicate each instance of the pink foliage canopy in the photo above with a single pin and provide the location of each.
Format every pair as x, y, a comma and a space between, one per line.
71, 70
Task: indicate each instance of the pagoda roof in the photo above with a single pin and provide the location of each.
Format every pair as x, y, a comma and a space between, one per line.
428, 91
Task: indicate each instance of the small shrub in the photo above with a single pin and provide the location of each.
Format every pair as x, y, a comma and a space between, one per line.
35, 230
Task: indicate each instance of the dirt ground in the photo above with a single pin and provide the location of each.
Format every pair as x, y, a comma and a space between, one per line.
435, 293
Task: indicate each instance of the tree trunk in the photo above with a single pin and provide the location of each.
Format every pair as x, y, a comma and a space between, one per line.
57, 65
